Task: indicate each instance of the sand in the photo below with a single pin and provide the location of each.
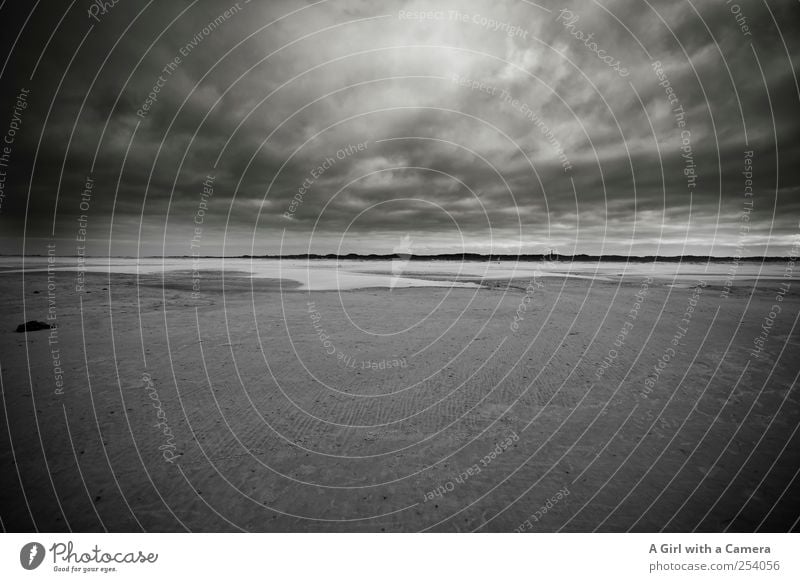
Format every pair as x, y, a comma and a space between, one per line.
397, 410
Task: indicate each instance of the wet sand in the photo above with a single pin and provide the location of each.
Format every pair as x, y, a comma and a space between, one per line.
397, 410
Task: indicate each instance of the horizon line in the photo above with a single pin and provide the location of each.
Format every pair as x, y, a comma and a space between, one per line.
553, 257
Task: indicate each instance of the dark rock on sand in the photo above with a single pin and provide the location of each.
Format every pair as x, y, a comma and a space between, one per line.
32, 326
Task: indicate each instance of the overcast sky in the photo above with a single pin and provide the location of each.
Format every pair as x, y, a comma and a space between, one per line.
571, 139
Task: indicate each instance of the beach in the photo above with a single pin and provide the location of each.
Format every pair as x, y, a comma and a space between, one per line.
216, 401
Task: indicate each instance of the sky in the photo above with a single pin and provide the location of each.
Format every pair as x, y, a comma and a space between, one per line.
348, 126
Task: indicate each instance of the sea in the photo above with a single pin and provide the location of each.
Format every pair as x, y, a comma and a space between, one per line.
344, 274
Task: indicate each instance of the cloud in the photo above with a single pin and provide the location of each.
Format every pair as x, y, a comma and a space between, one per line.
486, 126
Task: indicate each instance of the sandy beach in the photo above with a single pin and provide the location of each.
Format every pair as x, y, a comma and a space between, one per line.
400, 267
551, 404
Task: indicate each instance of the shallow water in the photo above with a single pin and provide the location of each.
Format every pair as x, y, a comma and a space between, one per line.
325, 274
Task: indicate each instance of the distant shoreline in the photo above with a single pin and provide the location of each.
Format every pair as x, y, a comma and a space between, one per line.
473, 257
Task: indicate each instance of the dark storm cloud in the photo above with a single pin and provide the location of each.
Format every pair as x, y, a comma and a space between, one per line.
262, 107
